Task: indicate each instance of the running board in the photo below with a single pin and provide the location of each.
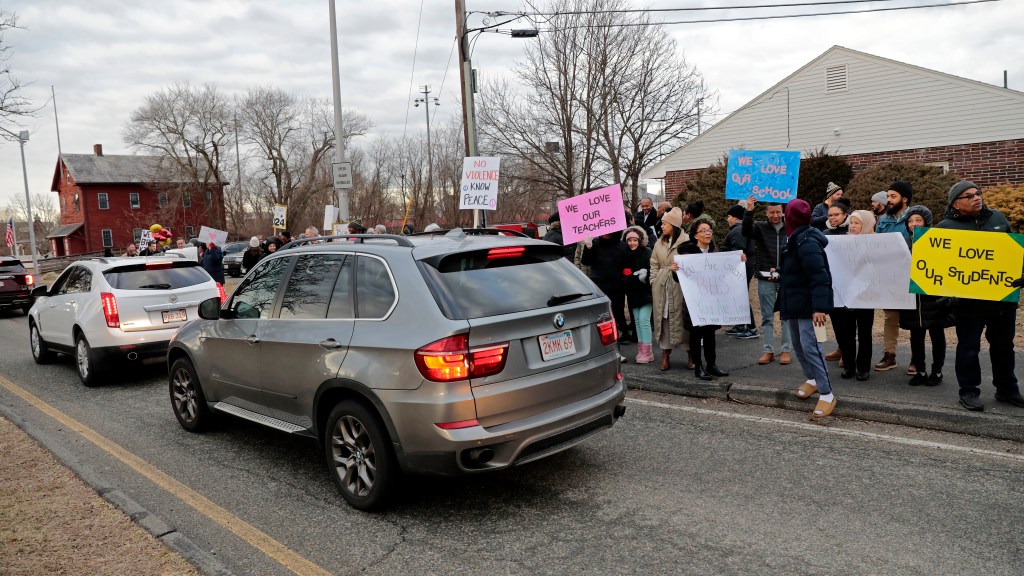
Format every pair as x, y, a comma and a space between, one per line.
258, 418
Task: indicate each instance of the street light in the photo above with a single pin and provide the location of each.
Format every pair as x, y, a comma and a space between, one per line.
426, 100
22, 138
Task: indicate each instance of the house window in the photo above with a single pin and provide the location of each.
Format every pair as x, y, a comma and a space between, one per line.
942, 165
209, 198
137, 235
104, 201
162, 198
190, 232
836, 79
108, 238
186, 200
134, 199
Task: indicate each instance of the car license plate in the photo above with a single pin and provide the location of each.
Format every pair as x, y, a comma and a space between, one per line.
174, 316
557, 345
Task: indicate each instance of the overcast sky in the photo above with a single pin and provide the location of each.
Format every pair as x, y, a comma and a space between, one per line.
104, 56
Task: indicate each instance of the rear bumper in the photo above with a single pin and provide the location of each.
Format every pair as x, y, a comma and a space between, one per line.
134, 352
16, 299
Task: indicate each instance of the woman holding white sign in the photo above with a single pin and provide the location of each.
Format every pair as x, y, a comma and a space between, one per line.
669, 329
853, 325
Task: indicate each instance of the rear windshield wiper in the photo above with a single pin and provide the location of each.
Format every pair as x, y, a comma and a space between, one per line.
155, 286
562, 298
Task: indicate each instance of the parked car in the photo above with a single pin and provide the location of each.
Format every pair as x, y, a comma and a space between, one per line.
233, 252
438, 354
15, 285
104, 311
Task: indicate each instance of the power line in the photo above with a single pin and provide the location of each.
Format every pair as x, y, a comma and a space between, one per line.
415, 49
448, 65
775, 17
687, 9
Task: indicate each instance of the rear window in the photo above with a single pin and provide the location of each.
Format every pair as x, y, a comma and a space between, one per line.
489, 282
11, 266
161, 276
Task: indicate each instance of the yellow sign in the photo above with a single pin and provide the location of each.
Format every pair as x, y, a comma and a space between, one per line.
966, 263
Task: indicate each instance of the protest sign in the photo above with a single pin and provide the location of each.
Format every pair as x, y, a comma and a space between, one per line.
870, 271
339, 228
207, 235
715, 288
594, 213
966, 264
145, 237
479, 183
768, 175
330, 217
280, 216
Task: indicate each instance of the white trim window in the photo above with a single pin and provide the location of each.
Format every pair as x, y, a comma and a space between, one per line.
108, 237
162, 199
104, 200
133, 199
186, 200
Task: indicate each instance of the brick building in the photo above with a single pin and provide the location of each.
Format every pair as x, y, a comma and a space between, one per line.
870, 110
106, 201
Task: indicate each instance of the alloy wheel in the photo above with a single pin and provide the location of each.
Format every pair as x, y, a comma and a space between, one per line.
184, 394
354, 456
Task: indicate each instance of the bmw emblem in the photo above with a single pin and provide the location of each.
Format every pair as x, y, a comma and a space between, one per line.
559, 320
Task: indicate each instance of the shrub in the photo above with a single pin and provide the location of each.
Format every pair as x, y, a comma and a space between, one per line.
709, 187
931, 186
1010, 201
817, 170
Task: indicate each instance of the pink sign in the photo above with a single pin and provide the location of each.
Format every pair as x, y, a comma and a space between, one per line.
594, 213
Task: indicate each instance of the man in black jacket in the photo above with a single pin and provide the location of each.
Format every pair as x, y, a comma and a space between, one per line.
735, 240
769, 238
554, 234
647, 218
967, 211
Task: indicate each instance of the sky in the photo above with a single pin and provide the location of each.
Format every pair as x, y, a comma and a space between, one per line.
103, 57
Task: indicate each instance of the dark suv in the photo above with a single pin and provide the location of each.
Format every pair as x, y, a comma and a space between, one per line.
15, 285
444, 354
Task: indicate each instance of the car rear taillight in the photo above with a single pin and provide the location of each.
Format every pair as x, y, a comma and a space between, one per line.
220, 292
110, 310
450, 359
29, 280
457, 425
506, 252
608, 332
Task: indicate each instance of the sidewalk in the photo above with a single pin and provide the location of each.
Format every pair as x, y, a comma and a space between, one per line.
886, 397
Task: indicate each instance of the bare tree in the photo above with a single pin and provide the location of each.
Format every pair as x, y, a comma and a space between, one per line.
12, 103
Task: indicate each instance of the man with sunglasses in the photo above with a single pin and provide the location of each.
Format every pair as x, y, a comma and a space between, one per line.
967, 211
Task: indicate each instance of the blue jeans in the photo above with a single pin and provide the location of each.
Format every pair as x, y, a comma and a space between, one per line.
809, 354
998, 330
642, 323
767, 294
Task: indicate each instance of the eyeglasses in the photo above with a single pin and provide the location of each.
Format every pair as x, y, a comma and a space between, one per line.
969, 196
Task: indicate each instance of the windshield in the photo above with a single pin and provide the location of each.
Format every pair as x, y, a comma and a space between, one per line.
11, 266
163, 276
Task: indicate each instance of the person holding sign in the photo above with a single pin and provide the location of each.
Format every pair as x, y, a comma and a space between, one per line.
967, 211
669, 328
769, 237
805, 300
606, 256
853, 325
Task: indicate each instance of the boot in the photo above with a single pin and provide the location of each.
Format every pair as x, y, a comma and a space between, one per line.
700, 373
643, 353
689, 360
888, 362
665, 355
714, 371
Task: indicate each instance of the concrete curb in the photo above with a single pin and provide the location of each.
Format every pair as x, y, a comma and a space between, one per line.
981, 424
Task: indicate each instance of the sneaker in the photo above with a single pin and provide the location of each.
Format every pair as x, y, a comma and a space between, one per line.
934, 379
748, 335
919, 379
735, 330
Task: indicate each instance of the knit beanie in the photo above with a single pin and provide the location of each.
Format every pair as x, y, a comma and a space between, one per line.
254, 242
736, 211
959, 188
798, 213
554, 217
904, 188
673, 217
867, 220
880, 197
920, 210
832, 189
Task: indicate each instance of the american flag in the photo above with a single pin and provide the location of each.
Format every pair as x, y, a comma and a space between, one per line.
10, 232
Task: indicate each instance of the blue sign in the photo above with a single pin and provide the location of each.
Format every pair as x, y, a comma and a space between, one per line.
768, 175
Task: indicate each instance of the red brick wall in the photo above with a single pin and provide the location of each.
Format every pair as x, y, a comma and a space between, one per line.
986, 164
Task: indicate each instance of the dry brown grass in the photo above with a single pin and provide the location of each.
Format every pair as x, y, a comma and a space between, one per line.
53, 523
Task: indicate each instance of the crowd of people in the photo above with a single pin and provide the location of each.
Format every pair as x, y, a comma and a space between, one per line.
636, 269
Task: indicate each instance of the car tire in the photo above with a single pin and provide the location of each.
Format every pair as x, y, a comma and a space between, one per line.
360, 456
86, 362
41, 352
26, 308
187, 397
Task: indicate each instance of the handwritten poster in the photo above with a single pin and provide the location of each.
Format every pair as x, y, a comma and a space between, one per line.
966, 264
479, 183
207, 235
870, 271
715, 288
768, 175
594, 213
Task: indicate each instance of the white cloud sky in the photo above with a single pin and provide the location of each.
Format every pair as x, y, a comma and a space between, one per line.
103, 57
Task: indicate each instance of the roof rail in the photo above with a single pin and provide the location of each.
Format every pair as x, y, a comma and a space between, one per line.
361, 238
457, 232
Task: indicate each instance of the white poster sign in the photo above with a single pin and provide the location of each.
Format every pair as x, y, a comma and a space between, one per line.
207, 235
280, 216
330, 217
479, 183
339, 228
870, 271
145, 238
715, 288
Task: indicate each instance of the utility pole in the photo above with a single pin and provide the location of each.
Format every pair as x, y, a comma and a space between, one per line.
426, 100
468, 88
22, 138
53, 96
339, 140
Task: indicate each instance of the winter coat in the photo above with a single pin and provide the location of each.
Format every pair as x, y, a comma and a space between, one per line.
929, 312
251, 257
806, 282
650, 222
987, 220
606, 259
768, 242
889, 223
554, 235
690, 247
665, 290
840, 230
638, 293
735, 240
213, 263
819, 216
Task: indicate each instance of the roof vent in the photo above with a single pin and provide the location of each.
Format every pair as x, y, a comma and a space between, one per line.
835, 79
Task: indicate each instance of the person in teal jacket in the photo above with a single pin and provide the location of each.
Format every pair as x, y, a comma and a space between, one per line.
898, 199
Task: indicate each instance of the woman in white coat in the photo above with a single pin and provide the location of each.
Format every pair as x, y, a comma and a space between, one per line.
669, 331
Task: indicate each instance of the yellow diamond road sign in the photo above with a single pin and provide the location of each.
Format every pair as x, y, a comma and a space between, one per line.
966, 263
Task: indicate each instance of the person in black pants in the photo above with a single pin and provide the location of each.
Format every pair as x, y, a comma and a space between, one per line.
606, 256
853, 325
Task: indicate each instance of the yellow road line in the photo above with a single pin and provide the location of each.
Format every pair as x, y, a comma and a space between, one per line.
247, 532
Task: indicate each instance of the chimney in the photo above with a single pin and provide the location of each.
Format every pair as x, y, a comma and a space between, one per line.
97, 149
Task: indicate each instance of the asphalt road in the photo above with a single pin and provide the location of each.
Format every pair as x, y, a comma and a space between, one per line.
677, 486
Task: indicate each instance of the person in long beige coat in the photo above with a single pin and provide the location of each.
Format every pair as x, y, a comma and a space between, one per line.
669, 308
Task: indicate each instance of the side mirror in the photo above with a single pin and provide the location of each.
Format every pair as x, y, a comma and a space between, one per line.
210, 309
41, 290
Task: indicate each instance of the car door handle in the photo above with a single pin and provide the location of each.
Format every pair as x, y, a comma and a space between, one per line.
252, 339
331, 344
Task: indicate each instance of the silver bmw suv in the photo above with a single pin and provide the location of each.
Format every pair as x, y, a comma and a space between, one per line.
450, 353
